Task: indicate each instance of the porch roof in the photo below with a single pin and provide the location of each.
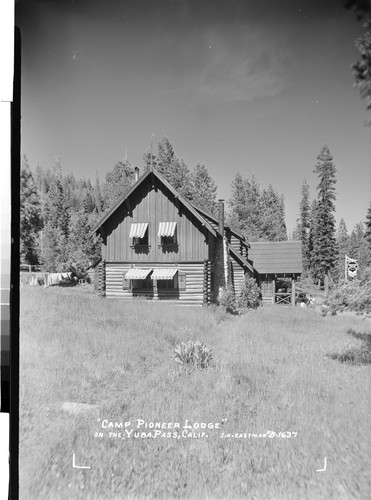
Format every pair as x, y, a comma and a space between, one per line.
277, 257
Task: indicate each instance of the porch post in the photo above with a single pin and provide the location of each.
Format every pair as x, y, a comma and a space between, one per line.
293, 291
273, 290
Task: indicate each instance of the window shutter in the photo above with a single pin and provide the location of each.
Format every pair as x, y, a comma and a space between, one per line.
182, 280
125, 283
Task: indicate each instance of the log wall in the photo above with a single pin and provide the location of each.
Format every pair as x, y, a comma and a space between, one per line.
193, 294
238, 276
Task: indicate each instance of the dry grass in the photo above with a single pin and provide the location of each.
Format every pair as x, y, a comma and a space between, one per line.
273, 371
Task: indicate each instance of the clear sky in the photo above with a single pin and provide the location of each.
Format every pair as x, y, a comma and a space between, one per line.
256, 86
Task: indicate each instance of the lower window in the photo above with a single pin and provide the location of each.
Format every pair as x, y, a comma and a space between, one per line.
168, 284
146, 284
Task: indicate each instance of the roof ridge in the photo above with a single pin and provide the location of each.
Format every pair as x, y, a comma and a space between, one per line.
167, 184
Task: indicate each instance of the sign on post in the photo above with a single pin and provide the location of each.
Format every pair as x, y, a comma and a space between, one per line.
351, 267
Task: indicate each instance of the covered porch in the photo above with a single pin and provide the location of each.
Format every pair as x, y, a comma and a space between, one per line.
278, 289
278, 265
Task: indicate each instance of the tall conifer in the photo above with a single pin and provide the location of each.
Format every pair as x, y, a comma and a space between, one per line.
204, 189
30, 215
118, 181
342, 240
367, 234
305, 225
324, 256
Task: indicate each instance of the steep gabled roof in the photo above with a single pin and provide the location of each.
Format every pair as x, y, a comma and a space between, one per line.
215, 222
204, 222
237, 256
277, 257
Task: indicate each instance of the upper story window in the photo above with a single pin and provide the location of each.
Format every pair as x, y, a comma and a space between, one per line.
139, 234
167, 233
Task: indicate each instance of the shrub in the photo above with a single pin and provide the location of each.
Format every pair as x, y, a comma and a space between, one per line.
248, 298
193, 354
351, 296
250, 294
227, 299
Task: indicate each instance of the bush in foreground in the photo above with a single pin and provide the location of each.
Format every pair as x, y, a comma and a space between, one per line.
350, 296
248, 298
193, 354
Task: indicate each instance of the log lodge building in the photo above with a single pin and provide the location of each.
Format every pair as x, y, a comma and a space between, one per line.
158, 245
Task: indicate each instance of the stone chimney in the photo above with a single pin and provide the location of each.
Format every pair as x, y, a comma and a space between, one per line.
221, 216
136, 173
220, 273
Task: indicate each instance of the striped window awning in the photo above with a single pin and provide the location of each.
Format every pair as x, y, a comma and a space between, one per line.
137, 274
166, 229
138, 230
164, 274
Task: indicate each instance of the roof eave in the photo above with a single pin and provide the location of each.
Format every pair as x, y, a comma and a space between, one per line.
119, 202
208, 214
183, 200
241, 259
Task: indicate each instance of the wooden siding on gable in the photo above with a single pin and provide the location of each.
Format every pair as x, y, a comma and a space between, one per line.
155, 204
277, 257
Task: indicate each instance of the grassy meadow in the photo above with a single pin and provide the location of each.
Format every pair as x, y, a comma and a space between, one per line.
273, 372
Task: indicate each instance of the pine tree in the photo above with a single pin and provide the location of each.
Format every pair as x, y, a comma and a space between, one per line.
72, 199
272, 216
54, 249
359, 249
82, 248
254, 222
88, 203
118, 181
180, 178
149, 160
367, 235
324, 254
237, 213
98, 197
305, 225
356, 236
342, 241
259, 215
312, 239
362, 69
56, 209
30, 215
165, 159
204, 189
296, 232
54, 238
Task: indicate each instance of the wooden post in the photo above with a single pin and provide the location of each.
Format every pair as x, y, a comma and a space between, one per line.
293, 291
273, 290
155, 290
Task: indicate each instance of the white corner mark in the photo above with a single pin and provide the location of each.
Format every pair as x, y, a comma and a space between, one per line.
78, 466
322, 470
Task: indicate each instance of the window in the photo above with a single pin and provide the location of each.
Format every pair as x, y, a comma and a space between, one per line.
139, 234
168, 284
167, 233
144, 285
141, 241
168, 240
